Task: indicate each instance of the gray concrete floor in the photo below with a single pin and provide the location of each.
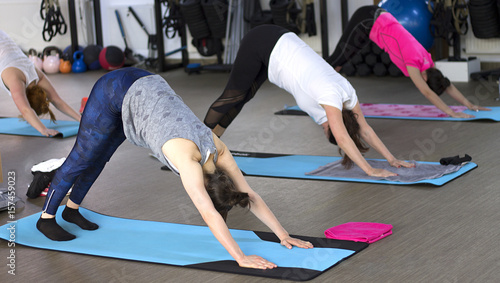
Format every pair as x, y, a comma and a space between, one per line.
441, 234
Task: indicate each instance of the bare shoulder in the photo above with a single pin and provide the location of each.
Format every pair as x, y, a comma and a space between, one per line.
219, 145
13, 76
179, 149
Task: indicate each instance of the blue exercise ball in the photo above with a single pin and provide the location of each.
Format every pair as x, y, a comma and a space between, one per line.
414, 16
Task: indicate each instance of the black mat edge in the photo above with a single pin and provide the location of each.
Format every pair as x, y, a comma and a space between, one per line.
284, 273
291, 112
257, 154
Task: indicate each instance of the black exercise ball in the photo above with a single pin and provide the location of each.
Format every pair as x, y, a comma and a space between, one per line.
380, 69
91, 56
363, 70
348, 69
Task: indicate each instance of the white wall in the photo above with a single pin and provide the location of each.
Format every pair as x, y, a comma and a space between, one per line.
21, 20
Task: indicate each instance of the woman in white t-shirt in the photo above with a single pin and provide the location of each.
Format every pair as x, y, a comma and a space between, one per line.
271, 52
30, 89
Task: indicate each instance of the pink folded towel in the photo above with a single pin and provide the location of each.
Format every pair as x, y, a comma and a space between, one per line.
359, 231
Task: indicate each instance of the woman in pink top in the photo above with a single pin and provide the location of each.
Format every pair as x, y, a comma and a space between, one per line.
374, 23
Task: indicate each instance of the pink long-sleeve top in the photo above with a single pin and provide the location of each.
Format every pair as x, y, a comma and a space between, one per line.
401, 46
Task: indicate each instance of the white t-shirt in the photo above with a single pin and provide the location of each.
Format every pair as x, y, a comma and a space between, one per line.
298, 69
12, 56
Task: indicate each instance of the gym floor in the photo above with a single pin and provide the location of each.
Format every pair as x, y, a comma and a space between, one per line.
441, 234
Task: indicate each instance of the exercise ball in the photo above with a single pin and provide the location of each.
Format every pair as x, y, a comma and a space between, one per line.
414, 16
380, 69
348, 69
91, 56
111, 58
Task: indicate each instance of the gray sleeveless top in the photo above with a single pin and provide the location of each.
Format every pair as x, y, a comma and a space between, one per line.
153, 114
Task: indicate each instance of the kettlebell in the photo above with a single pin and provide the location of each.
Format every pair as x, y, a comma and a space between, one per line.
78, 65
65, 64
51, 62
37, 61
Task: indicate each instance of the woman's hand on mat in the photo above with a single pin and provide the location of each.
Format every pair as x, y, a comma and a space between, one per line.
50, 132
478, 108
255, 261
398, 163
379, 172
289, 242
461, 115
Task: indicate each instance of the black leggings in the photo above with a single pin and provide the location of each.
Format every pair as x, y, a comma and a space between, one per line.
355, 36
249, 72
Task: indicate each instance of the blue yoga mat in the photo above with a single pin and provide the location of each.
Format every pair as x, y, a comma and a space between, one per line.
16, 126
184, 245
493, 115
296, 167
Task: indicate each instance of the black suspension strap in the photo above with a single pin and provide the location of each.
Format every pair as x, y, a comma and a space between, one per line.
449, 17
172, 19
54, 24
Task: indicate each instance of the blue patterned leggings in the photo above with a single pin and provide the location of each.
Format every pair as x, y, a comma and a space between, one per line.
99, 135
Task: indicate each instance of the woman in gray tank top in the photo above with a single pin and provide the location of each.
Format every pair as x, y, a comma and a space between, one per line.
139, 106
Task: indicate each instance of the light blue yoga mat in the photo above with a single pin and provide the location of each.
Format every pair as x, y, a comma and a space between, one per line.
296, 167
16, 126
183, 245
493, 115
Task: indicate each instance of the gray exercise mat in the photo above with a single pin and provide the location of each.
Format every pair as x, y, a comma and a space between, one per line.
421, 171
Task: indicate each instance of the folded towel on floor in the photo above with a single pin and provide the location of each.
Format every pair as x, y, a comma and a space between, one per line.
359, 231
421, 171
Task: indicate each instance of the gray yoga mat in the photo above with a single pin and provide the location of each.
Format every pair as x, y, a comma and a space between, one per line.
421, 171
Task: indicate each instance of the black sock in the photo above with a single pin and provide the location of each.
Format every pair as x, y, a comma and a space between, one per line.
52, 230
455, 160
73, 216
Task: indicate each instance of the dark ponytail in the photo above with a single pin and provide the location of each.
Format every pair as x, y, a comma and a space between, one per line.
223, 193
352, 126
37, 98
436, 81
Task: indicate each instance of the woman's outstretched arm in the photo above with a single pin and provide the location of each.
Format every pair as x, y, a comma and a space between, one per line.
18, 91
182, 154
258, 207
458, 96
54, 97
369, 136
422, 86
345, 142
